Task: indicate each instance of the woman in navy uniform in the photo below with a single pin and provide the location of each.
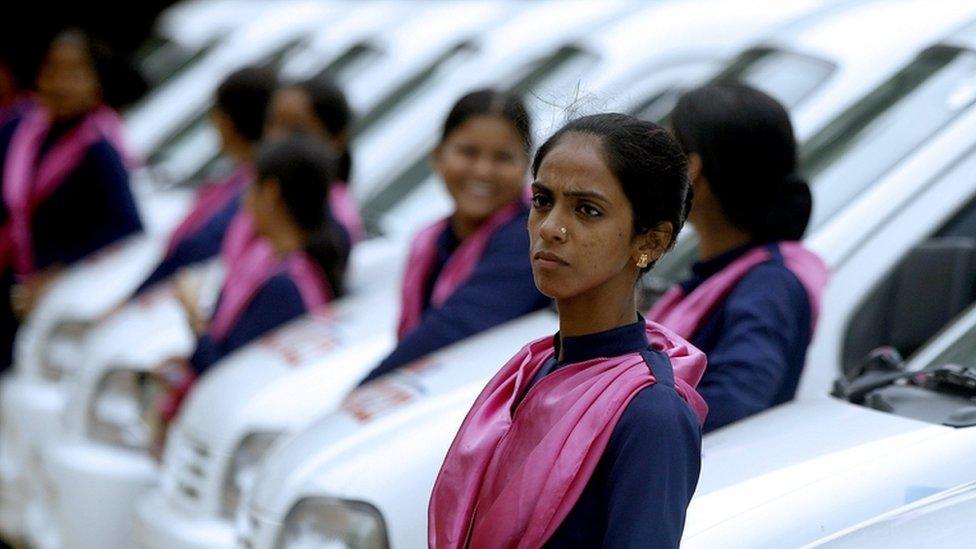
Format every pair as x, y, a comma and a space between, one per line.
471, 271
751, 303
591, 437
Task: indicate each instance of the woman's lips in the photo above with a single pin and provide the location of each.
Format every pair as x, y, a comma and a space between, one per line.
549, 260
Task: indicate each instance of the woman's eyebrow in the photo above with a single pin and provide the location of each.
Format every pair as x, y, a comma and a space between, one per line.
585, 194
540, 187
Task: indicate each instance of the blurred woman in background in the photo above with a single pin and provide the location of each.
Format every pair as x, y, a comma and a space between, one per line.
294, 265
64, 176
318, 107
752, 301
471, 271
591, 437
238, 114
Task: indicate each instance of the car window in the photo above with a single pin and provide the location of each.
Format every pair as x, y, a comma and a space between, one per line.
887, 125
788, 76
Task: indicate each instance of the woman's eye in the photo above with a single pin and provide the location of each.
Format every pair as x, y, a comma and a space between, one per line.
588, 210
540, 200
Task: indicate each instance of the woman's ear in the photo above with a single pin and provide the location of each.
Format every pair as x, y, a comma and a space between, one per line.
694, 168
652, 244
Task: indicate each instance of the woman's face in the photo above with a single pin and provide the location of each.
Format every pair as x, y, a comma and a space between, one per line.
483, 164
67, 82
291, 111
581, 223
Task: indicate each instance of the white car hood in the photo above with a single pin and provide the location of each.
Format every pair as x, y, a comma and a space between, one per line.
804, 469
408, 414
86, 292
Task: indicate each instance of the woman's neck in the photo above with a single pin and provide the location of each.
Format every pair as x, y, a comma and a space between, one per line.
464, 228
717, 237
287, 240
605, 308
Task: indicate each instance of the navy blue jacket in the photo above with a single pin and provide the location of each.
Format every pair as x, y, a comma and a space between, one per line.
756, 340
639, 493
277, 302
92, 208
500, 289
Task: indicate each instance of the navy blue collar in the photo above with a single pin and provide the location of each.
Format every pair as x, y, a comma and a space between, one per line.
703, 270
618, 341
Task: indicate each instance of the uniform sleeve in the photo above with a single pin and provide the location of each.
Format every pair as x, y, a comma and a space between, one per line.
500, 289
653, 461
275, 304
198, 247
765, 320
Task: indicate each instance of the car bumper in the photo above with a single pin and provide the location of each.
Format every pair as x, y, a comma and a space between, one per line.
94, 491
159, 525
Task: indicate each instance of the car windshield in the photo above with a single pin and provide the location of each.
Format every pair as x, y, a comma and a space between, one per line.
789, 77
414, 87
887, 125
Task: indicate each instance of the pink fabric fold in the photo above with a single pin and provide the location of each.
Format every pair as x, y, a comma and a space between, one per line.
685, 314
345, 211
252, 269
509, 483
210, 199
456, 271
29, 178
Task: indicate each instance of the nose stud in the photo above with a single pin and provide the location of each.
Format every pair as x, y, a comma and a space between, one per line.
562, 230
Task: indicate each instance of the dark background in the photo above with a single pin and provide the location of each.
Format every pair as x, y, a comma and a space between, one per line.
26, 26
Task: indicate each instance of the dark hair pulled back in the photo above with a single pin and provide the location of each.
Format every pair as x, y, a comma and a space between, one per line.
489, 102
332, 109
645, 159
303, 169
749, 156
244, 96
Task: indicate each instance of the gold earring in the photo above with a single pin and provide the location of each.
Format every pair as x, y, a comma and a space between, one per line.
562, 230
642, 261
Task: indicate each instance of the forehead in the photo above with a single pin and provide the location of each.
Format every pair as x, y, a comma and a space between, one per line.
68, 51
576, 162
291, 97
488, 130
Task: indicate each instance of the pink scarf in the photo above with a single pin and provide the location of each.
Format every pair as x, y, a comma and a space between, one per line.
685, 314
29, 180
456, 271
211, 198
345, 212
509, 483
254, 267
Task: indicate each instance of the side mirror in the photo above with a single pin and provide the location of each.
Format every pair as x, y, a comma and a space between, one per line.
880, 367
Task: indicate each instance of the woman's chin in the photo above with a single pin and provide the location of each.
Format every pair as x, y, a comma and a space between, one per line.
552, 287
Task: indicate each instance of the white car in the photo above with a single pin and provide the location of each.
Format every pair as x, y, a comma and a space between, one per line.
99, 465
313, 485
942, 520
47, 348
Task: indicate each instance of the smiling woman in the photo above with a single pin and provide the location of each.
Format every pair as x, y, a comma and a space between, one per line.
471, 271
590, 437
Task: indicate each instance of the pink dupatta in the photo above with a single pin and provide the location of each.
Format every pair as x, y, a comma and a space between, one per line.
251, 270
508, 483
685, 314
29, 180
456, 271
211, 198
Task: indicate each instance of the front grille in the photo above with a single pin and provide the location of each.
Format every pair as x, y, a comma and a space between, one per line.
188, 463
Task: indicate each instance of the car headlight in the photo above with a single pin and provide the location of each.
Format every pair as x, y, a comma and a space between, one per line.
333, 523
63, 348
243, 468
122, 411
